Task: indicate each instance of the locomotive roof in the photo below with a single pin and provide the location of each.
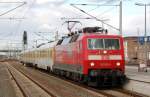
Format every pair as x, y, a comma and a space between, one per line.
98, 34
81, 35
78, 36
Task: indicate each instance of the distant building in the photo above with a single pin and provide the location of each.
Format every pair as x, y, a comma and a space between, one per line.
135, 52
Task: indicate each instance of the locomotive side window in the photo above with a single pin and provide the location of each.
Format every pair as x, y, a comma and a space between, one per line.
111, 44
95, 44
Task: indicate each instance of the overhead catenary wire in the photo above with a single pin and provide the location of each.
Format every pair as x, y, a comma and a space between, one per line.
11, 18
94, 8
95, 4
12, 9
12, 2
99, 5
106, 11
17, 27
23, 16
20, 21
77, 18
94, 17
86, 18
41, 36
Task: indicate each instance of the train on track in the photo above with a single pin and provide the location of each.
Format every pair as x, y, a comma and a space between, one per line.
88, 56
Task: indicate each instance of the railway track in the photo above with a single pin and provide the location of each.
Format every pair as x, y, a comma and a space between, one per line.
26, 84
98, 92
74, 94
111, 92
19, 86
107, 92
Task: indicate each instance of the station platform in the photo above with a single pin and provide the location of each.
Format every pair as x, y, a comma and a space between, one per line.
133, 73
6, 87
139, 81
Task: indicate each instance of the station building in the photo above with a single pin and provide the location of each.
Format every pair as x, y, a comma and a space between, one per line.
136, 52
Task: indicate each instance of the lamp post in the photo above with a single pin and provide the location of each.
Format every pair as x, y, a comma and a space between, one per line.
120, 18
145, 34
145, 5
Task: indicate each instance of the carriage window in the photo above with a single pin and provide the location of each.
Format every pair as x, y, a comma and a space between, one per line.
95, 44
111, 44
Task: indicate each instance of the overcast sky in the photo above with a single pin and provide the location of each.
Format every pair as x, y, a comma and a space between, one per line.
45, 16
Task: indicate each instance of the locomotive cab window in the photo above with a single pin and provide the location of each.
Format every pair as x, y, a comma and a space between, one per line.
107, 44
95, 44
111, 44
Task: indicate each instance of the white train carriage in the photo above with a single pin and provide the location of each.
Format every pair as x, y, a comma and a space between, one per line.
42, 57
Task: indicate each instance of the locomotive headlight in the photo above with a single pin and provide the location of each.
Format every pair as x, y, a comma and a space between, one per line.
92, 64
105, 52
118, 63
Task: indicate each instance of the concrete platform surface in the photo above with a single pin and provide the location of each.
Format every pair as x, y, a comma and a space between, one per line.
133, 73
6, 87
139, 81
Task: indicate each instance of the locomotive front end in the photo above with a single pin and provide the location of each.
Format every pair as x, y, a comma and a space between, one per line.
104, 60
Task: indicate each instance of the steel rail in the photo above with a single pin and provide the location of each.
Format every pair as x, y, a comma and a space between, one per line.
31, 79
19, 86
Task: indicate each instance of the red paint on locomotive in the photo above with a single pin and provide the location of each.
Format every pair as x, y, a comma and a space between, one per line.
76, 55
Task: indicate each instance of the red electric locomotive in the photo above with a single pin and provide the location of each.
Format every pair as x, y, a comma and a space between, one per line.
92, 57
